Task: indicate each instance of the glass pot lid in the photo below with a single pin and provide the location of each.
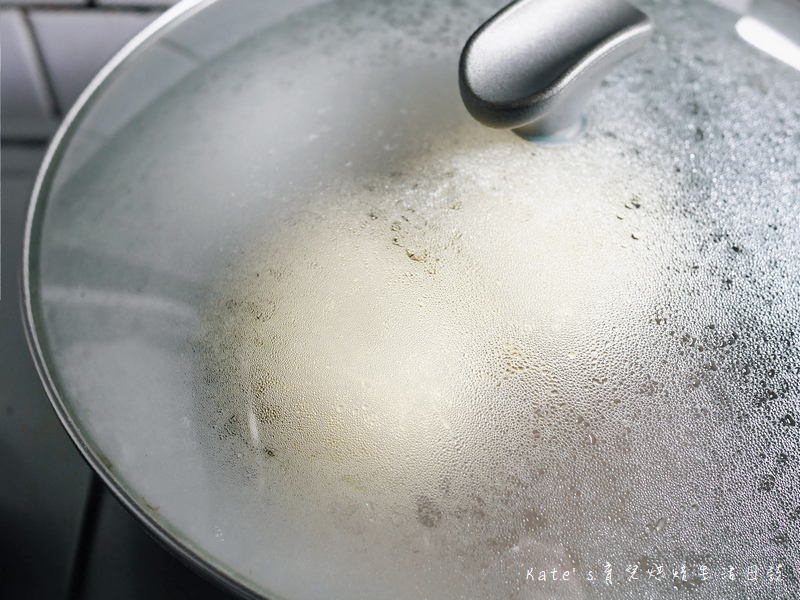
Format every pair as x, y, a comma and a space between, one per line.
329, 337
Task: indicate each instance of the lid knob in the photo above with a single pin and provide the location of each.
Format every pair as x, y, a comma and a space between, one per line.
532, 66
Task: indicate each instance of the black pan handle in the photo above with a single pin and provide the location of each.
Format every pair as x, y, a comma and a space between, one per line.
533, 65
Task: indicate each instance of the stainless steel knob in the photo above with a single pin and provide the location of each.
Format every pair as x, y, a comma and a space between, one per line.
533, 65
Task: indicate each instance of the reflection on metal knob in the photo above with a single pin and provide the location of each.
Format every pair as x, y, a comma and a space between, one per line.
533, 65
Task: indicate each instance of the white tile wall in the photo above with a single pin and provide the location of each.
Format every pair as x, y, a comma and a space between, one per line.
76, 44
27, 110
51, 49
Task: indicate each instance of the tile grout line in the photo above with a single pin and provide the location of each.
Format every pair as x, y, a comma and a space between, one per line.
92, 5
43, 79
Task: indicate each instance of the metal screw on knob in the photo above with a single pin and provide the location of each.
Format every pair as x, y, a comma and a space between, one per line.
533, 65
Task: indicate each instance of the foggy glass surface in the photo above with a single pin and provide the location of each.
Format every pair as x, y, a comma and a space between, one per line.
341, 341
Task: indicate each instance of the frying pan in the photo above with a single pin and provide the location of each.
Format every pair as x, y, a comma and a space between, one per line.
326, 336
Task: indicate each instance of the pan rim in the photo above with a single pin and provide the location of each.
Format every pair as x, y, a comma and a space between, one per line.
202, 563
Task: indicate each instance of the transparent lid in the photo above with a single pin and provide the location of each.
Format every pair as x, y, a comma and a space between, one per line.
331, 338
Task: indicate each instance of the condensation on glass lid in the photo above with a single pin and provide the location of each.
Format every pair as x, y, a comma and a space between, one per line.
456, 378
